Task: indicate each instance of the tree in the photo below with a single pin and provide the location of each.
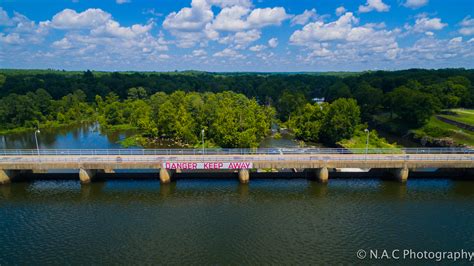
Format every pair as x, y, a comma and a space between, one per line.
412, 106
289, 102
370, 99
338, 90
307, 121
137, 93
340, 121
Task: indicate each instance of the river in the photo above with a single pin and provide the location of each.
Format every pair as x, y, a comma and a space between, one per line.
220, 221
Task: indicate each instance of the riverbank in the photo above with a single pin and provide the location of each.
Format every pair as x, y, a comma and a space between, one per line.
437, 132
45, 125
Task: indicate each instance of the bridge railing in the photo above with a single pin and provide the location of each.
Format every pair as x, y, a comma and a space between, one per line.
171, 158
208, 152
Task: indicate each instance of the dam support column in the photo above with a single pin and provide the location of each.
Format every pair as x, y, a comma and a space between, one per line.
6, 176
86, 175
401, 174
322, 175
165, 176
244, 176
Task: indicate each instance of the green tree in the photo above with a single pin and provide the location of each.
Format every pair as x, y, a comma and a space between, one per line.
137, 93
412, 106
307, 121
340, 121
289, 102
370, 99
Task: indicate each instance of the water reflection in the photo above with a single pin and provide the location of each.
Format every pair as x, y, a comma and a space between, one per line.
80, 136
223, 222
317, 189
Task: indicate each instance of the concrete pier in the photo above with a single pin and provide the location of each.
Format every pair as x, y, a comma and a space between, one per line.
6, 176
401, 174
165, 176
322, 175
244, 176
86, 175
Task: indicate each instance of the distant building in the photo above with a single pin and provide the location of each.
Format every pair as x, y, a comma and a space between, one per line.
318, 100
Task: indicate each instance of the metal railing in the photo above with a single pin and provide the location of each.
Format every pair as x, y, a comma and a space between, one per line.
9, 160
260, 151
117, 159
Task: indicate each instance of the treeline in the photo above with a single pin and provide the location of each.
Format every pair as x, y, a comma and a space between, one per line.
328, 123
38, 107
408, 97
376, 92
228, 119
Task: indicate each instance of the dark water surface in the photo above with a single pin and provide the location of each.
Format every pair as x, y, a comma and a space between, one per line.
81, 136
223, 222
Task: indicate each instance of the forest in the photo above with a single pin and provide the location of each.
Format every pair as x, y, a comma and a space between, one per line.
235, 109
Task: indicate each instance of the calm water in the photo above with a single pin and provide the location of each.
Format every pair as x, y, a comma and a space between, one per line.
220, 221
89, 136
84, 136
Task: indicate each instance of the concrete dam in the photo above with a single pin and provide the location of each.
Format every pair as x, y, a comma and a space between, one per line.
317, 163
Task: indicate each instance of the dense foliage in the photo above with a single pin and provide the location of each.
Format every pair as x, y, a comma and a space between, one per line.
228, 119
38, 107
328, 123
407, 99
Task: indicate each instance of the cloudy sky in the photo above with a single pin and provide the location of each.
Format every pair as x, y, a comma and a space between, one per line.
236, 35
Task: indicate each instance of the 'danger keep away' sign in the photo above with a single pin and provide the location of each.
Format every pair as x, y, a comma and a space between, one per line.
207, 165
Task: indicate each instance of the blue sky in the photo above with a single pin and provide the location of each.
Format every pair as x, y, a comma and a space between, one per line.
236, 35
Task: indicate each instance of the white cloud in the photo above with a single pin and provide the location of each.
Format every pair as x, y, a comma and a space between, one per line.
340, 10
93, 36
199, 53
229, 53
371, 5
22, 30
191, 25
189, 18
70, 19
414, 4
247, 36
227, 3
344, 40
319, 31
241, 40
262, 17
4, 19
423, 24
257, 48
197, 24
467, 26
230, 19
122, 1
164, 56
301, 19
432, 49
64, 43
12, 38
113, 29
273, 42
238, 18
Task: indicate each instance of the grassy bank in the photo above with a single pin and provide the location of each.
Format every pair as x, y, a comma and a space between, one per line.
444, 134
134, 141
435, 132
357, 143
465, 116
